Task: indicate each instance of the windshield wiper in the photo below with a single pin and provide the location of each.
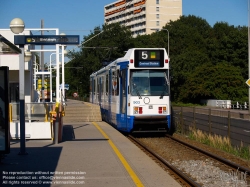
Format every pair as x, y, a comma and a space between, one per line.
162, 94
168, 83
137, 92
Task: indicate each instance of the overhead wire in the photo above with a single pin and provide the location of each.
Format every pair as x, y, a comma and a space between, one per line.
119, 14
125, 24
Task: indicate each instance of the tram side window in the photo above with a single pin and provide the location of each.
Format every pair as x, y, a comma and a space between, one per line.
123, 93
94, 87
90, 86
98, 86
107, 84
115, 83
103, 86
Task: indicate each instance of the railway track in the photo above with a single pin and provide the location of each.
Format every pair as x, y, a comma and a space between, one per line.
184, 160
216, 157
182, 178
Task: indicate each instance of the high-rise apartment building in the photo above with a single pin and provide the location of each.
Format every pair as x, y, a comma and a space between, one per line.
141, 16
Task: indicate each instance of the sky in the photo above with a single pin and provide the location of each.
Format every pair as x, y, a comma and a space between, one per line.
79, 17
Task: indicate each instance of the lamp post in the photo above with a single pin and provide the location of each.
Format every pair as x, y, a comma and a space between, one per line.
168, 38
168, 41
17, 26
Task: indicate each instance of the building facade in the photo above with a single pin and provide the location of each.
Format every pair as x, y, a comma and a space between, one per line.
36, 81
143, 16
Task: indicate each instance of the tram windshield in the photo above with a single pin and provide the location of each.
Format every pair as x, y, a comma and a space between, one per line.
149, 82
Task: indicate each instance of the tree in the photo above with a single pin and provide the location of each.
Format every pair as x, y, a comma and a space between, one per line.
206, 62
188, 50
222, 81
230, 46
107, 44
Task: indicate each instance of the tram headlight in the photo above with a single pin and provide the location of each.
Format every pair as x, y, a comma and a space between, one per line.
164, 110
136, 109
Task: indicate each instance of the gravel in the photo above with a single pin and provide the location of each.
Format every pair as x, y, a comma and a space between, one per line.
202, 169
209, 175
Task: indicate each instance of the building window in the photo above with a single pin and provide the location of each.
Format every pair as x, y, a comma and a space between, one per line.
157, 23
157, 16
157, 9
157, 2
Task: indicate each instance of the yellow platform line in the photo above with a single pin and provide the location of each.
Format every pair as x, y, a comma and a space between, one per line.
88, 104
132, 174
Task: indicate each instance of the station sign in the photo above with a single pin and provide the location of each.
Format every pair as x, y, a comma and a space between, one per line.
47, 39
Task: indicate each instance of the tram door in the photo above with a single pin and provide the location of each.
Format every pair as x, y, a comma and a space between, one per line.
123, 99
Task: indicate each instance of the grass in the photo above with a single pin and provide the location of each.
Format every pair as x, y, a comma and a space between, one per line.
221, 143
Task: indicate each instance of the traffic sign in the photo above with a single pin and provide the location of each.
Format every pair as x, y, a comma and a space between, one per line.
47, 39
75, 94
248, 82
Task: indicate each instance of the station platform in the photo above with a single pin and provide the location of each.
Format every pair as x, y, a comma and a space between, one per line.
91, 154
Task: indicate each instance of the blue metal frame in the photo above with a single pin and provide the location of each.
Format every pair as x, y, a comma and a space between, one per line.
122, 117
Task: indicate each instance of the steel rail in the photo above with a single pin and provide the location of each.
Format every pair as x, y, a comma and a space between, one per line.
166, 163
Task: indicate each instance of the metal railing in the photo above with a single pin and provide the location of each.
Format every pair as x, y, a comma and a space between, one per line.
39, 112
232, 105
240, 105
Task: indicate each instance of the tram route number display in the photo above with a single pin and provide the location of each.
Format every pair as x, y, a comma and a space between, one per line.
149, 58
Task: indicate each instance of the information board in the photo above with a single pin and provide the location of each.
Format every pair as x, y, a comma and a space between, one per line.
47, 39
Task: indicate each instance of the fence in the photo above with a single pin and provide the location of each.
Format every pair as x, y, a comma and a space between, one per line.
233, 124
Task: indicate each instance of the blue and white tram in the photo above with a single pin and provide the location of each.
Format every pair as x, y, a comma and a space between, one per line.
134, 91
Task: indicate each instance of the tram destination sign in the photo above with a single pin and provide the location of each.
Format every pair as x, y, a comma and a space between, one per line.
149, 58
47, 39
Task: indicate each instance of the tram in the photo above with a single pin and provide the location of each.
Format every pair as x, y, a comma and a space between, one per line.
134, 91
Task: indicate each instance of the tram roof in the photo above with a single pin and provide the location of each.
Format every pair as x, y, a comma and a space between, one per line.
129, 55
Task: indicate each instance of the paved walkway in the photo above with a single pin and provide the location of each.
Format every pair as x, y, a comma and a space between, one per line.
85, 157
